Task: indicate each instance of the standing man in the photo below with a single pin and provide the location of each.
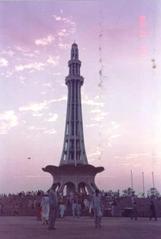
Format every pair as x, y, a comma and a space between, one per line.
45, 209
97, 207
134, 213
53, 206
152, 210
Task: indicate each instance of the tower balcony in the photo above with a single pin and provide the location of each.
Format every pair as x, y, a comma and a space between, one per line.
70, 62
73, 78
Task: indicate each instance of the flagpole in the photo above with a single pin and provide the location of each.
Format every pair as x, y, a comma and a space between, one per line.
143, 182
153, 182
131, 176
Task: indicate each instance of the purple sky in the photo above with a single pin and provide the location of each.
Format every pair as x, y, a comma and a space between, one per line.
123, 116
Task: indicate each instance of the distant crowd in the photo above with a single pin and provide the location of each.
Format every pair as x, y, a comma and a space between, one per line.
79, 204
22, 204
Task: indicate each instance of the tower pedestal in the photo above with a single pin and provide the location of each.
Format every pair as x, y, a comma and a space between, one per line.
80, 178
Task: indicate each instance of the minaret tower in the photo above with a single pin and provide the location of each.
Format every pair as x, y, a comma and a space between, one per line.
74, 173
74, 149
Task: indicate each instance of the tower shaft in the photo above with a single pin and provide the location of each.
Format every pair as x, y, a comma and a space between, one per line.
74, 148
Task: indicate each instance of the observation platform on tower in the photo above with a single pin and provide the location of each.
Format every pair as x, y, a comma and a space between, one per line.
68, 169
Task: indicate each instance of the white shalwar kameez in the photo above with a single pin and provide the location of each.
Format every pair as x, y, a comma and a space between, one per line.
45, 209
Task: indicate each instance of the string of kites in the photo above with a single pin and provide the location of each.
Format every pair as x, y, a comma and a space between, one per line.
100, 35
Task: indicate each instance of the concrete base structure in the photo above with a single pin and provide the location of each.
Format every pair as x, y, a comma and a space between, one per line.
70, 178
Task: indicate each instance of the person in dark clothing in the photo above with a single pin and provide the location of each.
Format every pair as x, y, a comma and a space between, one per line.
152, 211
97, 207
134, 213
53, 207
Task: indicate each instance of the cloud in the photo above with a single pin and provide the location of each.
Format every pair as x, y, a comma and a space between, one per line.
95, 111
8, 120
57, 18
43, 93
63, 98
92, 103
63, 45
35, 128
38, 66
35, 107
7, 73
112, 132
53, 118
97, 153
67, 20
8, 52
53, 60
95, 101
48, 84
114, 136
63, 32
37, 114
94, 156
115, 125
26, 52
57, 74
100, 117
43, 130
38, 107
3, 62
132, 158
45, 41
91, 125
50, 131
20, 49
31, 66
137, 155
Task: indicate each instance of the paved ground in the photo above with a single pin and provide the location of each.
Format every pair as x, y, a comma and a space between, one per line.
79, 228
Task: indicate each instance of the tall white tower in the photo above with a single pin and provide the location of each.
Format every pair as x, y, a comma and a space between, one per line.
74, 173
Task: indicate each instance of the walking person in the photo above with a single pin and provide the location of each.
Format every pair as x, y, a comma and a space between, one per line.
97, 208
113, 208
78, 206
74, 207
45, 209
91, 212
86, 206
38, 205
53, 206
62, 206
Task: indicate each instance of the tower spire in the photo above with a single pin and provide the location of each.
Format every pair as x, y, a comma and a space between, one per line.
74, 52
74, 62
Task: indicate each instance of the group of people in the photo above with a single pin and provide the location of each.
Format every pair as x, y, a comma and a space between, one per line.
21, 204
48, 206
52, 205
152, 209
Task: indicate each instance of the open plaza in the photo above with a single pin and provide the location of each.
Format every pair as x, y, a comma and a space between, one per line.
79, 228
